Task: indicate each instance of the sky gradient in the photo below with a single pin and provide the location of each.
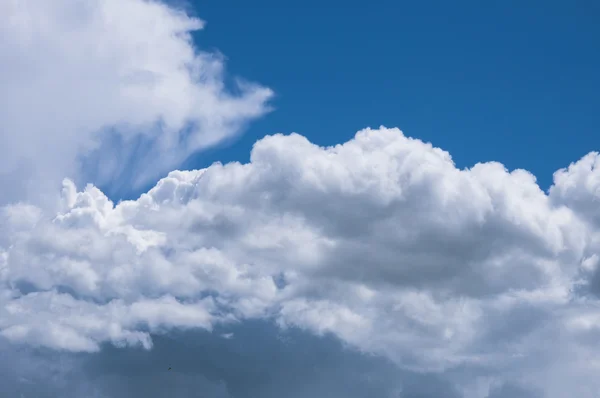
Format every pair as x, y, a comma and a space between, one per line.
508, 81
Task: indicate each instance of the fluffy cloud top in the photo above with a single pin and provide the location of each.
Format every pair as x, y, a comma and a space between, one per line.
381, 242
115, 84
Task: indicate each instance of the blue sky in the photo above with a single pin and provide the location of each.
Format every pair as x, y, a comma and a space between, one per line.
511, 81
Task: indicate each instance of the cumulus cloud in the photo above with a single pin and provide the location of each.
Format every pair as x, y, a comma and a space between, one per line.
115, 85
475, 275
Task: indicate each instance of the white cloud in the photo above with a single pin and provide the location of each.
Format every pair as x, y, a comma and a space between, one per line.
116, 84
380, 241
578, 187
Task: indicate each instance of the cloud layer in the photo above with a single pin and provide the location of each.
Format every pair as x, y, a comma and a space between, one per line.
382, 242
114, 84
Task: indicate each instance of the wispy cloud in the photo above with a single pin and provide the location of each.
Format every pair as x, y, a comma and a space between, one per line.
116, 84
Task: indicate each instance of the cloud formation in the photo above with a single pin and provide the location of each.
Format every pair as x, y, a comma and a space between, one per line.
372, 268
476, 275
115, 85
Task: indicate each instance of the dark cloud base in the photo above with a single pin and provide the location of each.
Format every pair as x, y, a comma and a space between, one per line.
259, 361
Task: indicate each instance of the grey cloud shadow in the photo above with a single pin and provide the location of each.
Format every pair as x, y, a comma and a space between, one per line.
514, 390
258, 361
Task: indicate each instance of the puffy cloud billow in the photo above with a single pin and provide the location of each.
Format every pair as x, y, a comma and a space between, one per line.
380, 242
371, 268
